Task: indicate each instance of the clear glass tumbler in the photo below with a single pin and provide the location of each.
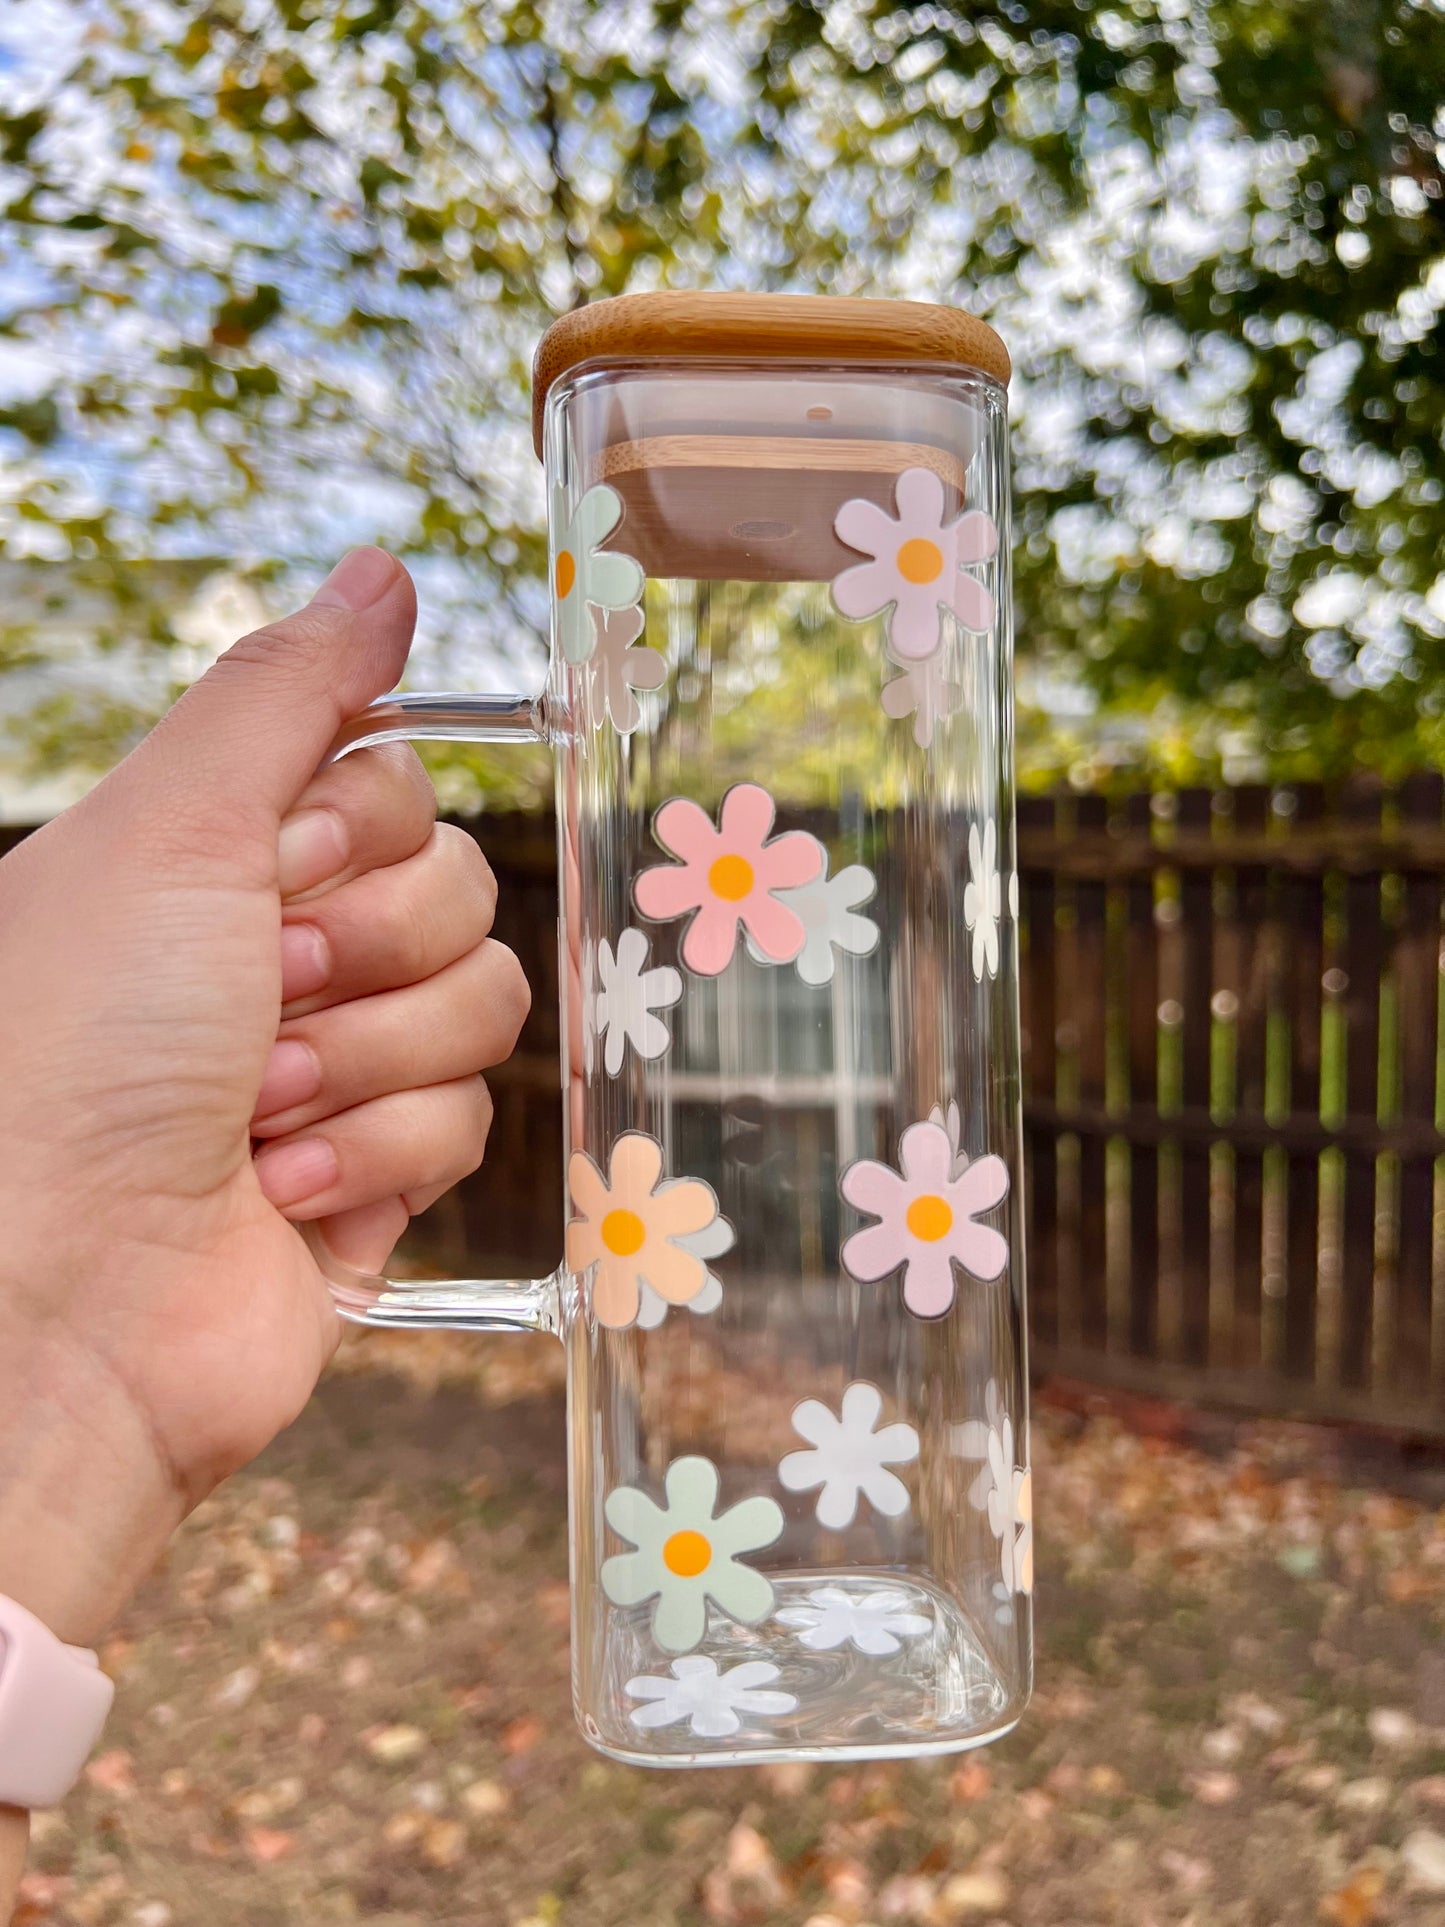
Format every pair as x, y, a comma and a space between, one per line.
792, 1291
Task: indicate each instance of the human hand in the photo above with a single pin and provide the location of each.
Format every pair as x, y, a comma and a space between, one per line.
219, 944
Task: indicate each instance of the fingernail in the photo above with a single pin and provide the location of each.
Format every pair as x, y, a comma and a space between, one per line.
291, 1173
312, 846
358, 580
293, 1075
305, 961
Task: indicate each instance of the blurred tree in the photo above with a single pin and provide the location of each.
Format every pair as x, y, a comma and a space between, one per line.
272, 270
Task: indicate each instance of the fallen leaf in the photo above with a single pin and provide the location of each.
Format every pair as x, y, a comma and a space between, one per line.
444, 1843
394, 1744
113, 1772
1368, 1795
487, 1799
1107, 1781
968, 1895
521, 1735
237, 1687
969, 1781
790, 1778
1356, 1903
1423, 1854
1214, 1789
267, 1844
1390, 1727
747, 1887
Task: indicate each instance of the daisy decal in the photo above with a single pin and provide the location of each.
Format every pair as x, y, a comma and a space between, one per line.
685, 1556
917, 567
711, 1242
630, 1224
587, 987
952, 1122
872, 1622
923, 692
711, 1702
828, 912
728, 878
925, 1219
849, 1457
630, 996
582, 577
1003, 1490
617, 668
983, 898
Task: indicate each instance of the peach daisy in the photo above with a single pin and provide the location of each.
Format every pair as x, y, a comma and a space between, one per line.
926, 1218
727, 876
629, 1224
918, 563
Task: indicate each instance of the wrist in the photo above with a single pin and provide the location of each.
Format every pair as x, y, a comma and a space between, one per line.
86, 1504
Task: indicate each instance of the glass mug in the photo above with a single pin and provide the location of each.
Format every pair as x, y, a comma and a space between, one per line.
792, 1290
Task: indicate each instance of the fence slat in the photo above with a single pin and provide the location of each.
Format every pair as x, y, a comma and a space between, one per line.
1302, 922
1142, 1003
1088, 1006
1251, 988
1038, 814
1196, 930
1417, 962
1360, 806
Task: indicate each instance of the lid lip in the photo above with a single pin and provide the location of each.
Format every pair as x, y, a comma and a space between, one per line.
804, 329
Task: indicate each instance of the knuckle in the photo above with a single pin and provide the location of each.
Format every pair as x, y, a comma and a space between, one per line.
283, 644
410, 785
480, 1111
511, 992
466, 869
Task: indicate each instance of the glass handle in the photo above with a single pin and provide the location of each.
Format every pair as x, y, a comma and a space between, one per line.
457, 1304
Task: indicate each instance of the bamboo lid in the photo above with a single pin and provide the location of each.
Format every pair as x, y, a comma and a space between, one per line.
784, 327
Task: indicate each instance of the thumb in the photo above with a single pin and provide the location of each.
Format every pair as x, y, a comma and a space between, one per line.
242, 743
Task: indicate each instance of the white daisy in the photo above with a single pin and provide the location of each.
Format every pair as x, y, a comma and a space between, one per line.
629, 996
952, 1123
616, 668
1013, 894
924, 693
1003, 1490
983, 898
849, 1457
587, 970
873, 1622
711, 1242
582, 577
711, 1702
827, 909
685, 1556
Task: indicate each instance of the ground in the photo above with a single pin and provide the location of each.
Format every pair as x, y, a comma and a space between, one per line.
345, 1698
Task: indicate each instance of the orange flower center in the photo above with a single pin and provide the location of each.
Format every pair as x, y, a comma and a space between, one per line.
687, 1554
731, 878
920, 560
623, 1232
565, 574
930, 1218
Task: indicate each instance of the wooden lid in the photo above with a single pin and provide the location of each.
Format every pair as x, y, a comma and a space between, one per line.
806, 328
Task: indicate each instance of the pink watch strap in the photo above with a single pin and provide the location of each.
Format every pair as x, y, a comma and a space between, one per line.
53, 1703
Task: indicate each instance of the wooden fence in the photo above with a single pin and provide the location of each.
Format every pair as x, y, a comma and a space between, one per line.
1232, 1094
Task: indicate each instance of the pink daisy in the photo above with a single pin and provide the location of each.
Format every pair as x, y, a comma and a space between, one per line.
918, 563
728, 876
926, 1218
